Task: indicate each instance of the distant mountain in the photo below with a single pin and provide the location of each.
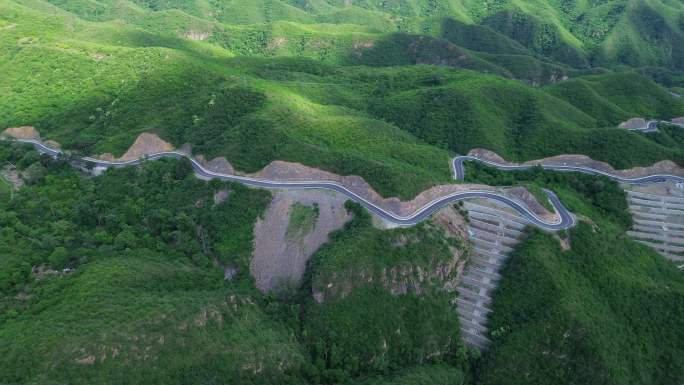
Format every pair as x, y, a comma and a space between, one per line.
576, 33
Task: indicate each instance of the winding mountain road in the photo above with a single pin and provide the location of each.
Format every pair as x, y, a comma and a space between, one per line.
459, 171
566, 220
652, 126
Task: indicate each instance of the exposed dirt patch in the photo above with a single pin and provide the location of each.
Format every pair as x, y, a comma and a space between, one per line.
455, 226
281, 259
27, 40
43, 271
276, 43
220, 165
633, 123
205, 316
52, 144
488, 155
87, 360
197, 35
106, 156
366, 44
521, 194
23, 132
185, 149
11, 175
452, 222
221, 196
564, 242
286, 171
145, 144
97, 56
662, 167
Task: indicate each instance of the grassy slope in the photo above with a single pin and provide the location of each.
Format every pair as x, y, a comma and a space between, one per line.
134, 314
575, 33
523, 123
94, 86
99, 105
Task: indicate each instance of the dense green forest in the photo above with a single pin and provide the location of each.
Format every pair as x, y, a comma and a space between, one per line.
120, 279
610, 309
100, 275
142, 275
379, 91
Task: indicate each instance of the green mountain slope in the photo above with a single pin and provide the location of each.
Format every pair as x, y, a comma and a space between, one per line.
608, 310
576, 33
387, 90
94, 86
146, 298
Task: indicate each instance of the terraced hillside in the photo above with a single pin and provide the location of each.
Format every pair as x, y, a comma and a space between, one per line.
493, 234
659, 222
582, 306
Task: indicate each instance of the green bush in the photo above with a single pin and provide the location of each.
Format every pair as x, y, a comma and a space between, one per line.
610, 310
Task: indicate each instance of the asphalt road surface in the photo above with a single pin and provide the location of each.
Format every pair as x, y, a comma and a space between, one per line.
459, 172
567, 220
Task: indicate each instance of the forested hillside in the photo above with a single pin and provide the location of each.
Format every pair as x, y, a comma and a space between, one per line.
606, 310
122, 279
102, 282
312, 82
142, 275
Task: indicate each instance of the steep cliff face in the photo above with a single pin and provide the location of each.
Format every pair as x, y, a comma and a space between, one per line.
402, 261
384, 298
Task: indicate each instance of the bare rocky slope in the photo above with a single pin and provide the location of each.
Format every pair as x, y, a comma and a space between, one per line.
281, 260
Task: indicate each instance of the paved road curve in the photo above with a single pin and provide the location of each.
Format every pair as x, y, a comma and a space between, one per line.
567, 220
459, 171
652, 126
